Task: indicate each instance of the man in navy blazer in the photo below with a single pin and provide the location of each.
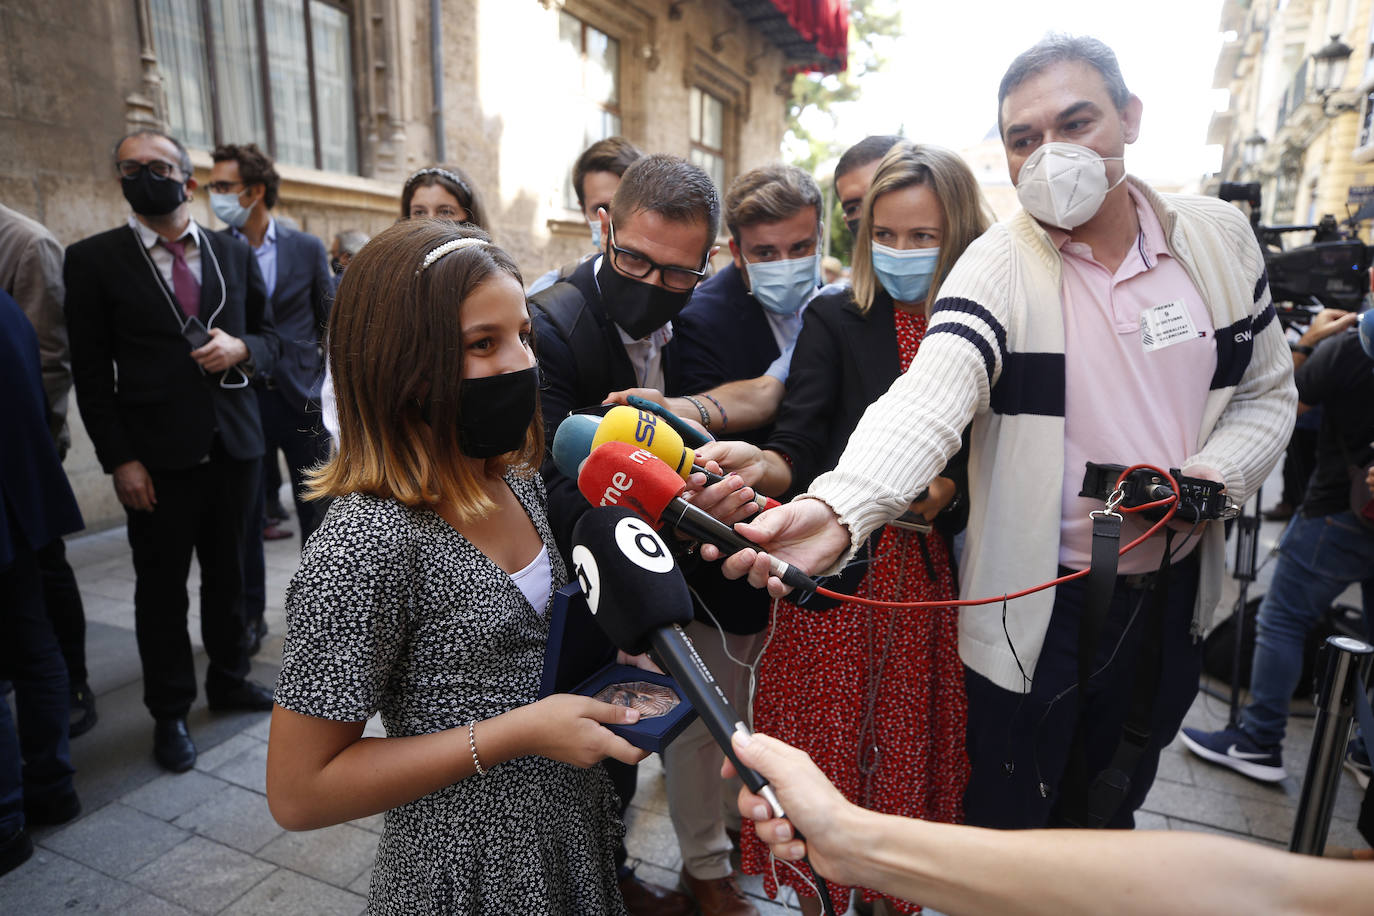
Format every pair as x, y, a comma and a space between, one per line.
244, 186
738, 331
739, 327
168, 323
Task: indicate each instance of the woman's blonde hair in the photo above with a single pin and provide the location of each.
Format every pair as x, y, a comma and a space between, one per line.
396, 353
966, 213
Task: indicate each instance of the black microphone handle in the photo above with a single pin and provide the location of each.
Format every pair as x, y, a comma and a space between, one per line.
693, 522
674, 651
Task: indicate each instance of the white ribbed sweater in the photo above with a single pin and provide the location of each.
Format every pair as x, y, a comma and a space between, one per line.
1002, 300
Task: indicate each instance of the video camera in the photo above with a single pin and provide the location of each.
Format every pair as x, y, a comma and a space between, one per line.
1331, 272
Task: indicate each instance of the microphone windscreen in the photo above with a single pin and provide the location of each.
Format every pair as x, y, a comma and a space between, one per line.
649, 432
619, 474
573, 442
632, 585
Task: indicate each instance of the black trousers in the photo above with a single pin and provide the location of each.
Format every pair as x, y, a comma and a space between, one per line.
35, 761
304, 442
201, 509
62, 597
1016, 742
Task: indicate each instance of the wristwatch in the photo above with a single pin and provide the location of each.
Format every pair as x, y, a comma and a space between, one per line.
1304, 349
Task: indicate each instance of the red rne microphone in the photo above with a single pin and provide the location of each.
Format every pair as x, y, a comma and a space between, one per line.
620, 474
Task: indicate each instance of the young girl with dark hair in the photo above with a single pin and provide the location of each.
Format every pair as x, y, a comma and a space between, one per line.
425, 595
443, 192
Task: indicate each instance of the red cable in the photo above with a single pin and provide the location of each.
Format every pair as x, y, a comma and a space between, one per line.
1171, 501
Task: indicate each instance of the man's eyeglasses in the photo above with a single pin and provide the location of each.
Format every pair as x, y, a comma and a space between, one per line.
634, 264
223, 187
130, 168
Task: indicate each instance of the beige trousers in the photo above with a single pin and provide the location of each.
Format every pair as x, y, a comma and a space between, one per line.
700, 803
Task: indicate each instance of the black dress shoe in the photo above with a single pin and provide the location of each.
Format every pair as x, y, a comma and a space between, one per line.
53, 811
645, 899
15, 850
247, 695
172, 745
83, 715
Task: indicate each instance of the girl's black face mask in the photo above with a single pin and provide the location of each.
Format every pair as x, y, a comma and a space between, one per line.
151, 196
494, 413
638, 307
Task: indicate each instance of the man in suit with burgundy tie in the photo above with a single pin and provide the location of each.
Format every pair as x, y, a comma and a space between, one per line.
168, 406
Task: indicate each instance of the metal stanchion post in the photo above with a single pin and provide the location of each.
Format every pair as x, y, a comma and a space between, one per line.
1347, 660
1247, 555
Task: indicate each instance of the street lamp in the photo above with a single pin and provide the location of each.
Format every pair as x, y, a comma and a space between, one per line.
1328, 67
1252, 150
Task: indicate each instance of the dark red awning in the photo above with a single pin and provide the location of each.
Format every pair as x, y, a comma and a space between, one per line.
813, 34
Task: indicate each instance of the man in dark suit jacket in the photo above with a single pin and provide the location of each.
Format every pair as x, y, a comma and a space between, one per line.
740, 325
243, 190
608, 326
36, 508
169, 410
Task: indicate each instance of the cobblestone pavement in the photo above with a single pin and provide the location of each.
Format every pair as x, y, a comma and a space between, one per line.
149, 842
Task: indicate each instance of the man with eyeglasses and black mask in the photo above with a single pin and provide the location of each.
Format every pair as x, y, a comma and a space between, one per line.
751, 402
168, 324
609, 326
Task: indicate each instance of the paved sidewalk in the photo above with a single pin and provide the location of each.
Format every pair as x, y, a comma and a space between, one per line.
149, 842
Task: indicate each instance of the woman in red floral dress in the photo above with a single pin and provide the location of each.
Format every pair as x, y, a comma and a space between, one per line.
875, 696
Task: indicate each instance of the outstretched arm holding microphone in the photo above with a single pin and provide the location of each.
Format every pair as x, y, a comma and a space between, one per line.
958, 869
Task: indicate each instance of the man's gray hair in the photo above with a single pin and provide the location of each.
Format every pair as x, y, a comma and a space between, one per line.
351, 241
1057, 47
183, 157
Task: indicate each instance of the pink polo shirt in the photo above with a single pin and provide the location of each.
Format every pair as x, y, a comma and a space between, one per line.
1140, 359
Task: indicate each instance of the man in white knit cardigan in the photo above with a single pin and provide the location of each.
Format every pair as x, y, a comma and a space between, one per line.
1104, 322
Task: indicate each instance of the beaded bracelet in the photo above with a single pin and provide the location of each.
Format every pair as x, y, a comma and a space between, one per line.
724, 420
701, 409
472, 743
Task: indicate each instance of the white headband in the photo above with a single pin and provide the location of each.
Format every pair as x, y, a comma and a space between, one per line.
448, 247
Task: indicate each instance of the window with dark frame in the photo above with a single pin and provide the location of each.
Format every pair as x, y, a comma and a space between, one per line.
706, 132
278, 73
592, 59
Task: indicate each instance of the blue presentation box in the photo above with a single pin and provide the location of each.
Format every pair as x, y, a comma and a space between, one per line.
580, 659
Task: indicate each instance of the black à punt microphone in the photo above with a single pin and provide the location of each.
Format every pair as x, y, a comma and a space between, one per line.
640, 601
638, 597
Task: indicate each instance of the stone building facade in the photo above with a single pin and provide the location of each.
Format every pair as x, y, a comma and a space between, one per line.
1312, 154
351, 96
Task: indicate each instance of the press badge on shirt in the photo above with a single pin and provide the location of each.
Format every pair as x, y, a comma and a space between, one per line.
1166, 325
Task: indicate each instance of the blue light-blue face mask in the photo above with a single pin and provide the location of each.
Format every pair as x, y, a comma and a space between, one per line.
595, 226
781, 287
228, 208
905, 273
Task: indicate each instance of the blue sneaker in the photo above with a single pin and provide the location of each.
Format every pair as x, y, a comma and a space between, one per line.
1232, 747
